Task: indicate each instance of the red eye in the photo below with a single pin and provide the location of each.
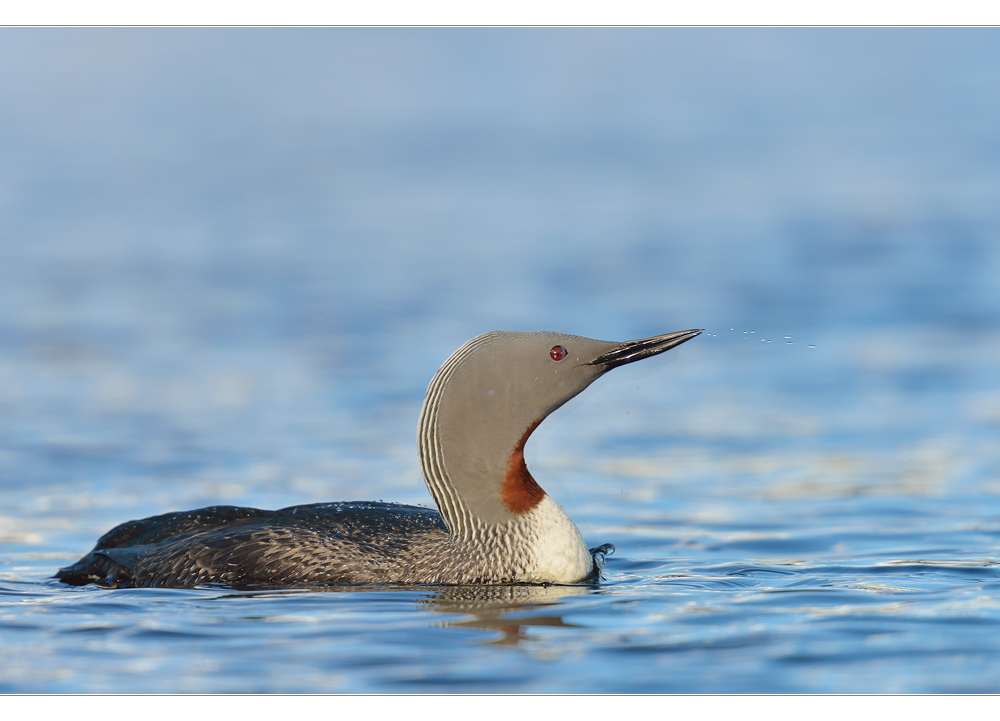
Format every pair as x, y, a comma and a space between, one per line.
557, 353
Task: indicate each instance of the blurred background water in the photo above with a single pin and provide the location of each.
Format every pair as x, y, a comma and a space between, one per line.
231, 260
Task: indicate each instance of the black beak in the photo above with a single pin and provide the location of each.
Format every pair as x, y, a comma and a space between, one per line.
633, 350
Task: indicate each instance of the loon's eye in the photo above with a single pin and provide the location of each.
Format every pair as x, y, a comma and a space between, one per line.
557, 353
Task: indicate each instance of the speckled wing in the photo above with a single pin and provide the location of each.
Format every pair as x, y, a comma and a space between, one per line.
326, 543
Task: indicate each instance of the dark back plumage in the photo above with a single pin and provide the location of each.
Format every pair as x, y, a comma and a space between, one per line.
322, 543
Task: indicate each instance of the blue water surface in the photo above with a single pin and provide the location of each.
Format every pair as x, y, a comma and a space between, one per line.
231, 260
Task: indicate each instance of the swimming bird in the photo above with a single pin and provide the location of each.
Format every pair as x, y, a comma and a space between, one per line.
495, 526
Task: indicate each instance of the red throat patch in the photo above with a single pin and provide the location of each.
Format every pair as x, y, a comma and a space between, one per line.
520, 492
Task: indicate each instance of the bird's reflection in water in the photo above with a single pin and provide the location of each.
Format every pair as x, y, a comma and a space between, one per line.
489, 607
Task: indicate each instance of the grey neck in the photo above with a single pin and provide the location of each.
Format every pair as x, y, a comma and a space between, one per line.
462, 520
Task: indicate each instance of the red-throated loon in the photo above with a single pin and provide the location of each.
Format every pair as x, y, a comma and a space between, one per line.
496, 525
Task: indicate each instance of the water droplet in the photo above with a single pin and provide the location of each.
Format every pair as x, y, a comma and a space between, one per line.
601, 551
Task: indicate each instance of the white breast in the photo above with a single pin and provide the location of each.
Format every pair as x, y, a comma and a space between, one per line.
557, 553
